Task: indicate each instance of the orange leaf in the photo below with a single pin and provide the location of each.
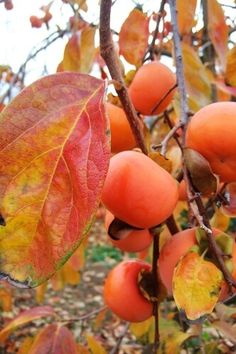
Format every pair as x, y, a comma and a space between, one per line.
55, 153
186, 11
133, 38
230, 74
25, 345
26, 317
196, 285
79, 52
218, 30
54, 339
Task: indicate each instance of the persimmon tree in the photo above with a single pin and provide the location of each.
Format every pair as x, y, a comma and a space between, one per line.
154, 145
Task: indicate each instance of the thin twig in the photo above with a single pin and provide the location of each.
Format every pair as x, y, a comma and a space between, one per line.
109, 55
115, 350
163, 145
151, 48
171, 225
156, 233
87, 316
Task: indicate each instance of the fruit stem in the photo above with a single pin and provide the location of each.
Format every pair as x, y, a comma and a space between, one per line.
111, 59
155, 255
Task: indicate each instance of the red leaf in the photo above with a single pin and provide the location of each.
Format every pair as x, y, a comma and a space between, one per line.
54, 339
133, 38
54, 157
218, 30
26, 317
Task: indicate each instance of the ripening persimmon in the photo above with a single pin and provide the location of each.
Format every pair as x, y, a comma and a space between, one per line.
139, 191
212, 132
178, 246
122, 137
122, 294
151, 83
183, 196
131, 240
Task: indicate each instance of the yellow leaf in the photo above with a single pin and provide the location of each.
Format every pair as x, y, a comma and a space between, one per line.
161, 160
94, 345
220, 220
141, 328
196, 285
186, 11
230, 74
198, 80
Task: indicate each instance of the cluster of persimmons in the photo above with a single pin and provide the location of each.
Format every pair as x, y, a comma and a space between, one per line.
140, 194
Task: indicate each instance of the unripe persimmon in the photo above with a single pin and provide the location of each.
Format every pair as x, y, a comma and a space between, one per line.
150, 85
133, 241
212, 132
122, 294
177, 247
139, 191
122, 137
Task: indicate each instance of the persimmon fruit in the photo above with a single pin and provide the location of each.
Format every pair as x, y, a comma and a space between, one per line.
122, 294
122, 137
150, 85
139, 191
36, 21
133, 240
178, 246
211, 132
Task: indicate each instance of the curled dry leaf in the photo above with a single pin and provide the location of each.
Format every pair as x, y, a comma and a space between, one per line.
196, 285
161, 160
202, 177
119, 230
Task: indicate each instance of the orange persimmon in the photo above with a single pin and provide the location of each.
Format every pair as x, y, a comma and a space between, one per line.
211, 132
122, 137
122, 294
153, 82
139, 191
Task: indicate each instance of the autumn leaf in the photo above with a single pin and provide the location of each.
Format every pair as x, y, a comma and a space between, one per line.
201, 174
55, 154
133, 37
218, 30
196, 285
79, 52
198, 80
24, 318
140, 329
186, 11
230, 74
54, 339
94, 345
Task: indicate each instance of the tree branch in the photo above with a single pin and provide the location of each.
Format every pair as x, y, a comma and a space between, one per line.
109, 55
195, 201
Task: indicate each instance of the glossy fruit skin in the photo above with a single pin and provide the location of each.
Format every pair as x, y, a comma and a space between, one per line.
150, 84
135, 240
122, 137
122, 294
138, 191
177, 247
211, 132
